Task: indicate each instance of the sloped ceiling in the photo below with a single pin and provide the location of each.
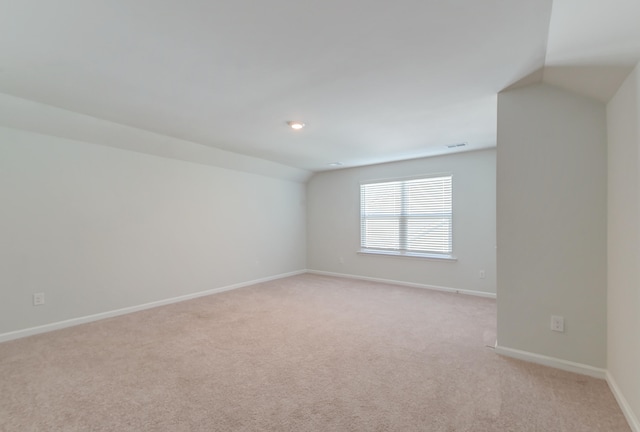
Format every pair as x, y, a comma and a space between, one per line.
373, 80
593, 45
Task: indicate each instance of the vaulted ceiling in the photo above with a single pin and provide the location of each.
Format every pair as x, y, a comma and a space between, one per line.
373, 80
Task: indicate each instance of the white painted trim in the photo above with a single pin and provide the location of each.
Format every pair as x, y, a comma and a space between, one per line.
553, 362
634, 424
403, 255
409, 284
4, 337
509, 352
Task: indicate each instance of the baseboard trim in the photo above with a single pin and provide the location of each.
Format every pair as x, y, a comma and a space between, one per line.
409, 284
18, 334
634, 424
557, 363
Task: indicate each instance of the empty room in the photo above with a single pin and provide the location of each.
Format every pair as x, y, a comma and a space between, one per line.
320, 216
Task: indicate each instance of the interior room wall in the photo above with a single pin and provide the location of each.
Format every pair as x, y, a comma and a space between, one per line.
623, 220
333, 223
24, 114
551, 218
99, 229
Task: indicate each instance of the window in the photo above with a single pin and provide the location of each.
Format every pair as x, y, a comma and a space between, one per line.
407, 217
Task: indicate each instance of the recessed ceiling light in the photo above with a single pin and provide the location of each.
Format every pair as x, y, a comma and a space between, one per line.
335, 164
297, 125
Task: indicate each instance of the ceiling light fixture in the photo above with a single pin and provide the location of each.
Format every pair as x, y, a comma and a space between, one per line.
335, 164
296, 125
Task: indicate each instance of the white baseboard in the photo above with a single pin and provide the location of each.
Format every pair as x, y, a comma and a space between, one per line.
109, 314
634, 424
581, 369
410, 284
557, 363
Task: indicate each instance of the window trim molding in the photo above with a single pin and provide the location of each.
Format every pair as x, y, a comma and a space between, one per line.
405, 254
408, 178
402, 253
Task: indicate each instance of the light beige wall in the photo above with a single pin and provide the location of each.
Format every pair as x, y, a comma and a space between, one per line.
623, 218
333, 224
97, 228
551, 218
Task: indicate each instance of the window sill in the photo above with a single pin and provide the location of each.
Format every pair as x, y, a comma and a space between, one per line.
428, 256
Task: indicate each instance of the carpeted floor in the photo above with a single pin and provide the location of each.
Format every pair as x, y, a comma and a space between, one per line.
306, 353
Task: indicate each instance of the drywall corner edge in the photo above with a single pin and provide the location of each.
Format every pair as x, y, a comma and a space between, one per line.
634, 424
28, 115
579, 368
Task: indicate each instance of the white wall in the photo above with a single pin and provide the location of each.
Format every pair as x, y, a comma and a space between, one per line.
23, 114
333, 223
98, 228
623, 350
551, 218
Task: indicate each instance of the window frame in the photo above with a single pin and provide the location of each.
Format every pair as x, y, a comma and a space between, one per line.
403, 253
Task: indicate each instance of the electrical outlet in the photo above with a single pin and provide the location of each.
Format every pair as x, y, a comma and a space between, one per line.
483, 274
38, 299
341, 260
557, 323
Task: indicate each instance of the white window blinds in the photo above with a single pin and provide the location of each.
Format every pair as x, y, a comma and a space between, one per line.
412, 216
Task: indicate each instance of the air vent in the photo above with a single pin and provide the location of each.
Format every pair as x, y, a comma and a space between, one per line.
457, 145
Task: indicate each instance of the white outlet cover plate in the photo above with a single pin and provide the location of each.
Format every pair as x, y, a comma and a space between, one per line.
557, 323
38, 299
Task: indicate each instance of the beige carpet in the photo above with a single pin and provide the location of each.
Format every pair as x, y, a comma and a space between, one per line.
306, 353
